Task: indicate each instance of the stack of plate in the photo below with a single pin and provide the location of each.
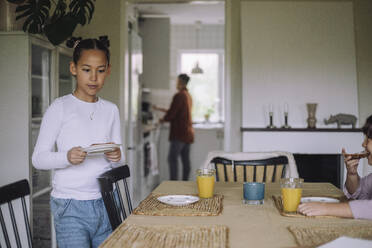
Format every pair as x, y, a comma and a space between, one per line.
101, 148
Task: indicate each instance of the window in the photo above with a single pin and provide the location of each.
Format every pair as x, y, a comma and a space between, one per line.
205, 88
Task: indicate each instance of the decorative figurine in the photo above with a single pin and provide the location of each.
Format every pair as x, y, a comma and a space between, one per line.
342, 119
311, 110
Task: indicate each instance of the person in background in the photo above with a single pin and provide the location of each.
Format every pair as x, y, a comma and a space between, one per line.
71, 122
181, 134
358, 189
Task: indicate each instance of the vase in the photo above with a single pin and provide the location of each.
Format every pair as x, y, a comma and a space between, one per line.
311, 110
206, 117
8, 17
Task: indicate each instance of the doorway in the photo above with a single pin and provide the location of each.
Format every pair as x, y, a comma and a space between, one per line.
176, 38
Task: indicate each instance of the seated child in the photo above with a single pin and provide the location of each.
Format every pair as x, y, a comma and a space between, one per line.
356, 188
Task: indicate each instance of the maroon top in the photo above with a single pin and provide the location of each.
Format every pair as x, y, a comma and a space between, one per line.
179, 116
361, 207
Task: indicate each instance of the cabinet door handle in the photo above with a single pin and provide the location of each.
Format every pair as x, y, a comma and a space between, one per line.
131, 148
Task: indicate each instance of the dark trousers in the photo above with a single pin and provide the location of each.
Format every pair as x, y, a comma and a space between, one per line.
176, 149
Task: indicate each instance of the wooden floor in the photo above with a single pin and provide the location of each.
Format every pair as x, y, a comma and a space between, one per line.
41, 211
41, 222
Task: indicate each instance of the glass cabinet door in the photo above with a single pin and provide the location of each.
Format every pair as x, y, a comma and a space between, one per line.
41, 81
40, 87
65, 79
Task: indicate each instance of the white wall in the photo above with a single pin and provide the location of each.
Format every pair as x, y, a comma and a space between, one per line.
106, 21
233, 77
14, 108
156, 52
363, 37
14, 122
297, 52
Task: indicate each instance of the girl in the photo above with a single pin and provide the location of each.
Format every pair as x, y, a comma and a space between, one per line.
356, 188
71, 122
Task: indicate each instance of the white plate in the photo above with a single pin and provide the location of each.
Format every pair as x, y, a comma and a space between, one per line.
102, 148
178, 200
318, 199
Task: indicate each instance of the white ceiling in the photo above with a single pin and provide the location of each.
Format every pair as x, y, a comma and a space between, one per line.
186, 13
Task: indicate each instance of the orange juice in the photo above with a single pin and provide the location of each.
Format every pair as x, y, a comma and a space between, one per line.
291, 199
205, 185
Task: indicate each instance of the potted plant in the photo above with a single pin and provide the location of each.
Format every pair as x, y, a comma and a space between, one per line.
208, 114
56, 22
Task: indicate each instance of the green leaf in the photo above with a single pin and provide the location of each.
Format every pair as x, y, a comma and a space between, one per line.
22, 7
26, 13
36, 13
60, 30
16, 1
82, 10
59, 11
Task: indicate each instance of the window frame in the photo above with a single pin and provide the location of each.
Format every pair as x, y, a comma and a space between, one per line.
221, 73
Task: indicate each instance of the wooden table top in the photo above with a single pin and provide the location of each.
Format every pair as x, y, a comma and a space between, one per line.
254, 226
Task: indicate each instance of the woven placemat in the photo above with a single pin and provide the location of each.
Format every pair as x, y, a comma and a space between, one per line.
279, 205
144, 236
315, 236
203, 207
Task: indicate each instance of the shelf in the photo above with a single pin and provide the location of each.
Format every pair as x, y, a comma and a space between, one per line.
35, 76
65, 80
341, 130
146, 90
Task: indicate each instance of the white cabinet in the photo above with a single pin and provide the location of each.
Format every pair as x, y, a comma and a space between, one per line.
208, 137
33, 73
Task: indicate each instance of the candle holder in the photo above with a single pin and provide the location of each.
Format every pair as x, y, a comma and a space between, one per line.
286, 121
271, 125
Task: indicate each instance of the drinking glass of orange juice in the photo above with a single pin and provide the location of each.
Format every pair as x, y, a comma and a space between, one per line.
205, 179
291, 189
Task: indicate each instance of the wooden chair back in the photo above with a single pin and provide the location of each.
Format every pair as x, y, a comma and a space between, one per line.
112, 198
263, 170
8, 194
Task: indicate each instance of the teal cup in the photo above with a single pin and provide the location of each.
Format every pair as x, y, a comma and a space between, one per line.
253, 193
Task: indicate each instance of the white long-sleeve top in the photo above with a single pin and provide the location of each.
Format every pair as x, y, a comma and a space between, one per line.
70, 122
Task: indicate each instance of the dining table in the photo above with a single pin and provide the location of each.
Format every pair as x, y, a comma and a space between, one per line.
248, 225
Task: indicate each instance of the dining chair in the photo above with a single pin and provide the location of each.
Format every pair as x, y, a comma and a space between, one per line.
112, 195
9, 194
262, 170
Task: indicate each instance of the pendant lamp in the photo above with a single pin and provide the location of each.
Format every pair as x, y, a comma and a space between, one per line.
197, 69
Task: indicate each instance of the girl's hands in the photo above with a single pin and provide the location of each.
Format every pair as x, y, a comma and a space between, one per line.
351, 164
114, 156
313, 208
76, 155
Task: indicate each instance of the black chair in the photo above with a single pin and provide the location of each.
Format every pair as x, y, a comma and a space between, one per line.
264, 170
9, 193
112, 197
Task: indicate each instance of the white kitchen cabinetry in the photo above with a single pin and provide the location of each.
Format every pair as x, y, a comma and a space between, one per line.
33, 73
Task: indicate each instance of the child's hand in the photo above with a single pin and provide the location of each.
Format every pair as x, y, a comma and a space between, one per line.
351, 164
76, 155
114, 156
313, 208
